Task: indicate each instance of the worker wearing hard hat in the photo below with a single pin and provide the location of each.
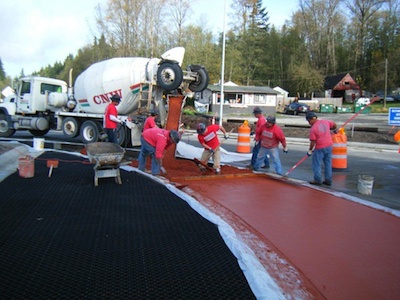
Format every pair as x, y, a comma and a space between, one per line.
111, 120
207, 136
154, 143
270, 137
320, 148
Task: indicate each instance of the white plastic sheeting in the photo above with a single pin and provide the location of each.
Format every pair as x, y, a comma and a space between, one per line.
191, 152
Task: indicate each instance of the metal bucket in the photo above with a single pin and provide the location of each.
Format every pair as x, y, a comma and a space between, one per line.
26, 166
365, 184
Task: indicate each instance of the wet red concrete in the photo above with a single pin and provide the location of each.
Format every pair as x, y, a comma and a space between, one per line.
316, 245
340, 249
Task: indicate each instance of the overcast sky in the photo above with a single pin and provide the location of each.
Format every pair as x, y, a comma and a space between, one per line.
38, 33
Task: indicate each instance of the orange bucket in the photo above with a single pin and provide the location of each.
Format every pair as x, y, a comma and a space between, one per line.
339, 151
243, 144
26, 166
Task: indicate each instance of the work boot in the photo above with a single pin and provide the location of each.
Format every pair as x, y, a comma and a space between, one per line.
315, 182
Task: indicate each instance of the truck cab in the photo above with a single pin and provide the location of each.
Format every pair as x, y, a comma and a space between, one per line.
33, 94
31, 107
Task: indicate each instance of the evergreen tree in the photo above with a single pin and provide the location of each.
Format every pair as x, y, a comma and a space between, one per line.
2, 72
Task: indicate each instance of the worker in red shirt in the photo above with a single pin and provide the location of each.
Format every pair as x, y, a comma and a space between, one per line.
207, 136
111, 120
270, 137
154, 143
259, 125
151, 120
320, 148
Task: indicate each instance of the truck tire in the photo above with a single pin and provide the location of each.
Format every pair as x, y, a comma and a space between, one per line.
35, 132
121, 134
4, 130
201, 82
70, 127
169, 76
89, 132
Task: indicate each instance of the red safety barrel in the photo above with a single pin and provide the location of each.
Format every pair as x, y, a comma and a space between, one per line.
339, 151
243, 142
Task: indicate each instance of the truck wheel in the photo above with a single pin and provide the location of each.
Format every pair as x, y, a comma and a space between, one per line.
121, 136
38, 132
4, 130
70, 127
201, 82
169, 76
89, 132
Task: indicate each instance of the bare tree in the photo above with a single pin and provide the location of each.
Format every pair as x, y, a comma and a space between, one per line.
362, 13
319, 21
179, 11
120, 24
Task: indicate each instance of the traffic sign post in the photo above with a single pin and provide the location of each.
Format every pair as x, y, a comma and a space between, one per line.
394, 116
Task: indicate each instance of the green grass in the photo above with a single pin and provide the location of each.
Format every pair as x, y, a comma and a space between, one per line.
379, 108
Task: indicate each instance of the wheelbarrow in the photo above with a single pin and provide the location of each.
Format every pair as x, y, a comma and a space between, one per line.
106, 157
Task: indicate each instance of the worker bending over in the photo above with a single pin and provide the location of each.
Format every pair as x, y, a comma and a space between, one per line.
208, 138
154, 143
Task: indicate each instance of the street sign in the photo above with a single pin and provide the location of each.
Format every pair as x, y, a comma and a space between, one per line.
394, 116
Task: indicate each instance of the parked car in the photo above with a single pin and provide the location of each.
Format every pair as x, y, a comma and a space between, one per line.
296, 108
388, 99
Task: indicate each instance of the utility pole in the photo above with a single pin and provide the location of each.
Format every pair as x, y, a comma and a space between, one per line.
221, 102
385, 92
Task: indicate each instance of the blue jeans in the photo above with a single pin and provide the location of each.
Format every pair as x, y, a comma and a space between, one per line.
112, 135
322, 155
256, 149
148, 150
274, 155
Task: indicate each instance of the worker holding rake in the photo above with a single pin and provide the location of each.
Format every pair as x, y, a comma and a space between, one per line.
320, 148
271, 136
208, 138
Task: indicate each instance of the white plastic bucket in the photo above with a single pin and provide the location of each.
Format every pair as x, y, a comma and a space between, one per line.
365, 184
38, 143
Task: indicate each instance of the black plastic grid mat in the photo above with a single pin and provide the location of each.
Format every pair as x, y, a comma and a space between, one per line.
62, 237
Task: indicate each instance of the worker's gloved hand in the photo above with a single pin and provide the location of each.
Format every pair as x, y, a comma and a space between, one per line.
211, 150
285, 150
251, 133
225, 136
309, 152
162, 169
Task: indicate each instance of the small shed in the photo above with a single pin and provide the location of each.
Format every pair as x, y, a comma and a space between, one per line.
342, 86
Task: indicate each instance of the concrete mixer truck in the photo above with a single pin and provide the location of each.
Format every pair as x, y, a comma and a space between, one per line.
40, 104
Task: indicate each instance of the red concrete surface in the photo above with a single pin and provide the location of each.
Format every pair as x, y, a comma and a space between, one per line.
343, 250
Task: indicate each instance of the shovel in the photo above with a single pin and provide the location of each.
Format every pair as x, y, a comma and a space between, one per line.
52, 163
